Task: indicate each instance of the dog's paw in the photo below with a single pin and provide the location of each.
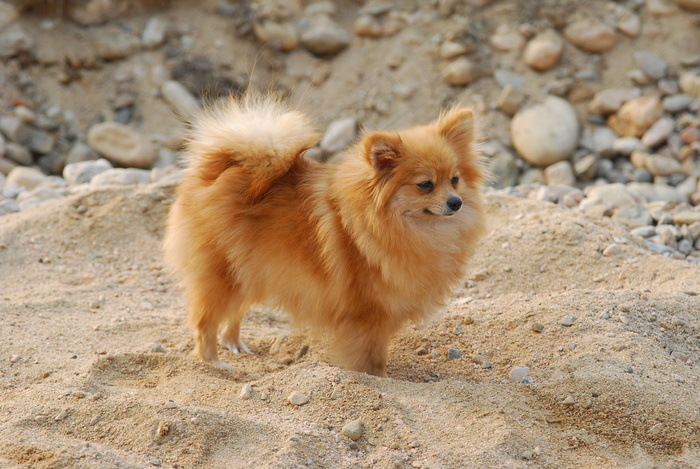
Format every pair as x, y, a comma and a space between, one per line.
237, 346
222, 365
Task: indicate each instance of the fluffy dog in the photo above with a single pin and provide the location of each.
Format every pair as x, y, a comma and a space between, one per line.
356, 249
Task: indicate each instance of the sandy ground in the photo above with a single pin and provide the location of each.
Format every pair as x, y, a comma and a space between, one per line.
95, 358
96, 371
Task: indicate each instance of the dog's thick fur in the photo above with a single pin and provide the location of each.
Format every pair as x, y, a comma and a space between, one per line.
356, 249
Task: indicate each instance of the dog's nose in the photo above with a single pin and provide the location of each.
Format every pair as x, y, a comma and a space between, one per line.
454, 203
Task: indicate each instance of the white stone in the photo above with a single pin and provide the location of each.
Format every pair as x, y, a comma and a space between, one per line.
591, 36
324, 37
282, 35
545, 133
38, 196
180, 99
544, 50
658, 133
460, 71
83, 172
560, 173
690, 83
154, 33
121, 176
25, 177
121, 145
352, 429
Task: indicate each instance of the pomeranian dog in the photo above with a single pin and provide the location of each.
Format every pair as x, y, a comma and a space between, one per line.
356, 249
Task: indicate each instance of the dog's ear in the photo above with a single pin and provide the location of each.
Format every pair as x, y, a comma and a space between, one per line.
383, 150
457, 126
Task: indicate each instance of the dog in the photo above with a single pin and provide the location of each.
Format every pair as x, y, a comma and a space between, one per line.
356, 248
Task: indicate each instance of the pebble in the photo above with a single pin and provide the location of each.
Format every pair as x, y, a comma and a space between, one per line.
687, 217
121, 176
298, 399
629, 24
340, 134
609, 100
18, 153
84, 171
591, 35
518, 373
612, 250
506, 39
352, 429
546, 133
567, 321
15, 129
121, 145
510, 99
367, 26
537, 327
677, 103
560, 173
636, 116
692, 5
247, 392
25, 177
651, 64
41, 419
323, 37
283, 36
460, 72
544, 50
8, 206
569, 401
658, 133
689, 83
180, 99
507, 77
154, 32
453, 354
451, 49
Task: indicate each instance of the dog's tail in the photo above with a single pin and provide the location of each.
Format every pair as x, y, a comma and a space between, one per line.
258, 134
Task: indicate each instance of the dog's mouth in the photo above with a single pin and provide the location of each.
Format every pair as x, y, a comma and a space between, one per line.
429, 212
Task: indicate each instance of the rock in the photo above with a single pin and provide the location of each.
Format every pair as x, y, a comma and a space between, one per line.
283, 36
626, 145
121, 145
37, 196
651, 64
657, 192
567, 321
686, 217
83, 172
352, 429
689, 83
636, 116
546, 133
25, 177
609, 100
15, 129
504, 170
246, 391
19, 154
692, 5
518, 373
459, 72
117, 46
324, 37
591, 36
367, 26
8, 13
615, 195
451, 49
121, 176
599, 140
544, 50
154, 33
507, 77
92, 12
510, 99
506, 39
340, 134
662, 7
658, 133
569, 401
80, 152
537, 327
612, 250
453, 354
298, 399
587, 167
677, 102
8, 206
180, 99
560, 173
629, 24
13, 43
659, 165
40, 142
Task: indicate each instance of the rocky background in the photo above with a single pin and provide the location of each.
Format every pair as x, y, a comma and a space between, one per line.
572, 343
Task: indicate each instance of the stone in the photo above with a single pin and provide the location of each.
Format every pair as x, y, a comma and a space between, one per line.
83, 172
25, 177
543, 51
8, 13
546, 133
15, 42
451, 49
340, 134
662, 7
154, 32
518, 373
629, 24
658, 133
586, 167
283, 36
503, 169
510, 99
19, 154
609, 100
121, 176
352, 429
116, 46
15, 129
614, 194
92, 12
626, 145
506, 39
508, 77
121, 145
677, 102
80, 152
612, 250
367, 26
41, 142
591, 35
686, 217
656, 192
569, 401
660, 165
560, 173
636, 116
460, 72
567, 321
180, 99
37, 196
324, 37
8, 206
689, 83
692, 5
651, 64
453, 354
298, 399
537, 327
246, 392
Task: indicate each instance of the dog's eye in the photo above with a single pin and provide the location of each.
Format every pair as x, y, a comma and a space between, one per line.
425, 185
454, 180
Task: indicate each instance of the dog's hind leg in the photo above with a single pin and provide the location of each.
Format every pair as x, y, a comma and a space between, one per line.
231, 335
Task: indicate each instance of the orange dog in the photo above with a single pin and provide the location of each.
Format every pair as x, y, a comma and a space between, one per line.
356, 249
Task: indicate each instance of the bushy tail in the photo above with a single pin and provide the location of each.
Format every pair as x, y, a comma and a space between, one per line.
257, 134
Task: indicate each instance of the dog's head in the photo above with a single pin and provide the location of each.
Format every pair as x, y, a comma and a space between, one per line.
426, 173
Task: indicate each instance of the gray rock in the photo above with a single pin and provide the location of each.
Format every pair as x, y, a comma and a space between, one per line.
545, 133
15, 42
80, 152
626, 145
612, 250
658, 133
340, 134
8, 206
560, 173
506, 77
645, 231
121, 176
453, 354
616, 195
298, 399
84, 171
121, 145
567, 321
518, 373
37, 196
677, 103
180, 99
651, 64
41, 142
19, 154
116, 46
15, 129
504, 170
633, 217
154, 33
323, 37
352, 429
